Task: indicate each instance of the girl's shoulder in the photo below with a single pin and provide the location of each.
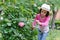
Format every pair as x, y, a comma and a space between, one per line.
48, 17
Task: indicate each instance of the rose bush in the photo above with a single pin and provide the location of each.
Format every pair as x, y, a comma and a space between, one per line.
17, 20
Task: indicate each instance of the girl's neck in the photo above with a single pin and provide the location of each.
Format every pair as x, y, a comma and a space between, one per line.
42, 16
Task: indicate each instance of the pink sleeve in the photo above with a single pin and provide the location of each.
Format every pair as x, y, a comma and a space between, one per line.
34, 23
46, 22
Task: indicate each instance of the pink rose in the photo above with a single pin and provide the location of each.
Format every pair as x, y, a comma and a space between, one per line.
21, 24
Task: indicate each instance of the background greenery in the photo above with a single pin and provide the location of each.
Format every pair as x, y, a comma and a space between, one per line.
15, 11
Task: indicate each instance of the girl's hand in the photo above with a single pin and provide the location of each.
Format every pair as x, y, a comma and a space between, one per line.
33, 27
38, 22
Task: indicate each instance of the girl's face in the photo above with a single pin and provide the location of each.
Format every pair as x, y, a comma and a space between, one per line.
43, 13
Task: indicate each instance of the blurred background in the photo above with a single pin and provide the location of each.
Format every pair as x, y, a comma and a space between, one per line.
14, 11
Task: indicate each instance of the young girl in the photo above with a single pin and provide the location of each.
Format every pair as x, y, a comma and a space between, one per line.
42, 19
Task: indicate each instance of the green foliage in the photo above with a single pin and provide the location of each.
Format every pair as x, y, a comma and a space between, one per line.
15, 11
57, 23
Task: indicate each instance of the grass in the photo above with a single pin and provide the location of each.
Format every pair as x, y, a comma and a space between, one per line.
54, 34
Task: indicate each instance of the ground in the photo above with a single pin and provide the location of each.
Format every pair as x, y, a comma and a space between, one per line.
54, 34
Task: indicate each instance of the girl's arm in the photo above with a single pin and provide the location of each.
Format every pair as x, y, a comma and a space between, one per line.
34, 23
44, 23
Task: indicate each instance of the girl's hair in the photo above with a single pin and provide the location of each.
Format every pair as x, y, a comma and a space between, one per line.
46, 14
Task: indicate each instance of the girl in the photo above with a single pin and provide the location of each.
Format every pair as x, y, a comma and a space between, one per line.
42, 19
